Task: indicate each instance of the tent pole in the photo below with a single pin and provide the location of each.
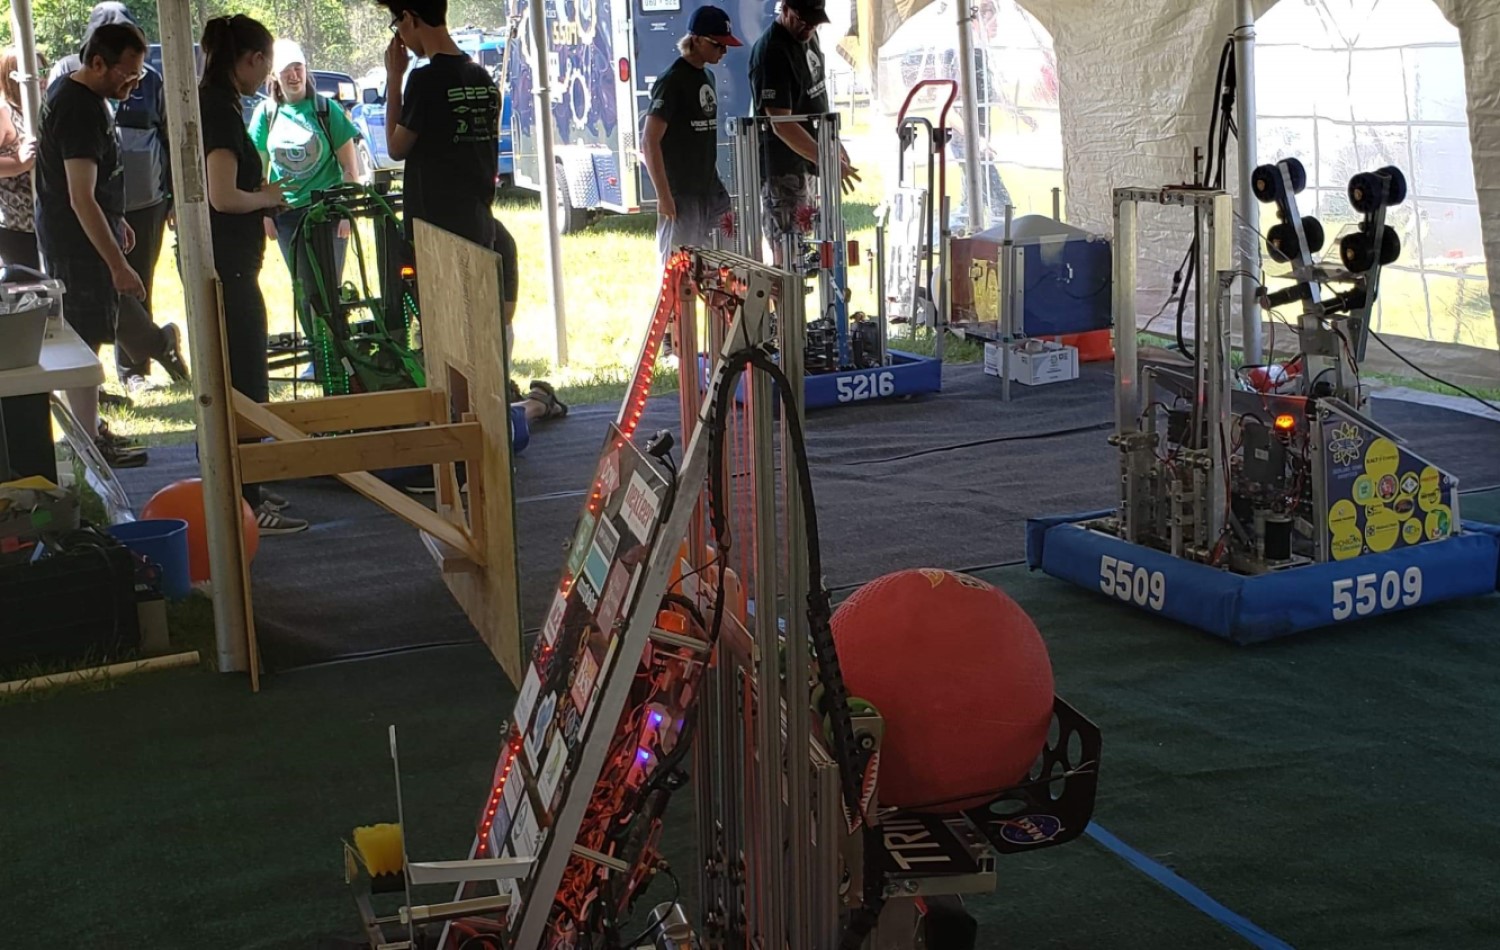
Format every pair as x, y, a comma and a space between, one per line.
221, 498
21, 27
31, 82
968, 79
542, 87
1249, 209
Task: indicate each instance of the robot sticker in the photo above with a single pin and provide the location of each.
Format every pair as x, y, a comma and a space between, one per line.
581, 539
537, 737
1381, 497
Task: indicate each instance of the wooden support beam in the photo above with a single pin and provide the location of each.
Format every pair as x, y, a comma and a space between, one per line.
361, 452
392, 500
399, 407
448, 560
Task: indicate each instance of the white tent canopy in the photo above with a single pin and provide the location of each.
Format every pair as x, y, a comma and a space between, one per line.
1136, 83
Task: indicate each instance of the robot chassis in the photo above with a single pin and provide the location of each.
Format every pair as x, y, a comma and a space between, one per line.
1257, 503
845, 356
357, 339
662, 649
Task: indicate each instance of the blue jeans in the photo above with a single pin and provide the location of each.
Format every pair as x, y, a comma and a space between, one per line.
286, 229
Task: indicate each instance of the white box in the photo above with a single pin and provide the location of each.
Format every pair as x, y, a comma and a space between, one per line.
1034, 362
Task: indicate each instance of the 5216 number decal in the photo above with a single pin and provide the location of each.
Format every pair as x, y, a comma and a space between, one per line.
1132, 584
1359, 596
870, 386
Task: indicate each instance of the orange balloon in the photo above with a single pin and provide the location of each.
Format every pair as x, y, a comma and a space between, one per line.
184, 500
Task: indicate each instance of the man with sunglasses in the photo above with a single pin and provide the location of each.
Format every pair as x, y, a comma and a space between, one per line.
681, 138
787, 78
680, 141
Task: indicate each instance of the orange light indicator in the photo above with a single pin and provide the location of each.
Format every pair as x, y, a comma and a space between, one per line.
1286, 422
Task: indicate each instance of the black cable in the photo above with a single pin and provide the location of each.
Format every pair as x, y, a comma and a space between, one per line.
1050, 434
1212, 175
676, 895
1436, 379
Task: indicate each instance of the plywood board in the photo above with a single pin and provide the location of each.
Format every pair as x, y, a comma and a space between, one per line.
463, 347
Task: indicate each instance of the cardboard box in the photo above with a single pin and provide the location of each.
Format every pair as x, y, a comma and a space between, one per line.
1034, 362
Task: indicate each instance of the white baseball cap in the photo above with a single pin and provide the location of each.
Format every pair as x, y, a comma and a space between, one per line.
285, 53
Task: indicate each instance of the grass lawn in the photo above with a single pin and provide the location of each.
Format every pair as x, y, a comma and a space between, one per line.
612, 278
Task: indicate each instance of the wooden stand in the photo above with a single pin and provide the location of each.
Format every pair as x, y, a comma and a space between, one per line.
463, 415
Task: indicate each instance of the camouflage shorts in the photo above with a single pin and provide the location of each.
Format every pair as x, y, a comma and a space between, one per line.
781, 198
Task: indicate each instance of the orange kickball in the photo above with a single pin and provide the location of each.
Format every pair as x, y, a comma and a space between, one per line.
184, 500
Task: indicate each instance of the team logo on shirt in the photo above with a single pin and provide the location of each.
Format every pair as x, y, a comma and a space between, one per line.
708, 101
296, 151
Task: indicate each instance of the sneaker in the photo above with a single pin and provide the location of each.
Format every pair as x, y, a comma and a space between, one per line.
270, 521
106, 434
543, 393
273, 501
121, 456
135, 384
171, 356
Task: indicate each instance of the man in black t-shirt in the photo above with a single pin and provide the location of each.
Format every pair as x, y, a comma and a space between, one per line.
81, 204
787, 78
444, 123
681, 138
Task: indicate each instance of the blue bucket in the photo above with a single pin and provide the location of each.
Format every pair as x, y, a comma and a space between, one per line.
163, 542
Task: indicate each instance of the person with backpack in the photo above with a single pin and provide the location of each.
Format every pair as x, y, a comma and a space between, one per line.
141, 127
307, 143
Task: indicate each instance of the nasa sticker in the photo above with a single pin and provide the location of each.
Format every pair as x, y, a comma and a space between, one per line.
1030, 829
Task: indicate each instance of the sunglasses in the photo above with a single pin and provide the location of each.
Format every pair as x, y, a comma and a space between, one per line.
721, 47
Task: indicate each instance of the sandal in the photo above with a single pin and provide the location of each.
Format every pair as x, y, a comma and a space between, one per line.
542, 392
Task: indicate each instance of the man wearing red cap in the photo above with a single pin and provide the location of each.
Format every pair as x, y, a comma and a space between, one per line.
787, 78
681, 139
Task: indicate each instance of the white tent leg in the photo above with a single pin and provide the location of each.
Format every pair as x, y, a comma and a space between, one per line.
31, 82
221, 500
536, 12
1249, 209
968, 80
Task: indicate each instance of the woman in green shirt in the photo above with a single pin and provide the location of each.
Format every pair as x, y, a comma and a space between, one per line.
307, 143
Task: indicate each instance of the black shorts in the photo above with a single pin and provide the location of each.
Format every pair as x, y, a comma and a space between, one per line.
90, 303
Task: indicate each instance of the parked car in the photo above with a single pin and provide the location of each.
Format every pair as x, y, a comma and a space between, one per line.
486, 48
336, 86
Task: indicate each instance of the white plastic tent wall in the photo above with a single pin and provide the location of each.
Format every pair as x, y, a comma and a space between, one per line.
1136, 84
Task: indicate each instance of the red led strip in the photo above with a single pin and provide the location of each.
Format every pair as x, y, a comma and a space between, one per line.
512, 749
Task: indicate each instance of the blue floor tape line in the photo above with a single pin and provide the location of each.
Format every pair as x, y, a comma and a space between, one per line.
1184, 889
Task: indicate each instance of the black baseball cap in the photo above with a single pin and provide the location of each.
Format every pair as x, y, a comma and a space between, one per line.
713, 23
811, 12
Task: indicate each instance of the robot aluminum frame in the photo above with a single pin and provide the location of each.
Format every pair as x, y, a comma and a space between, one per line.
1213, 212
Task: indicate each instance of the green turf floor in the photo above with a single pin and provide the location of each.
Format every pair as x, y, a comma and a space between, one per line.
1334, 788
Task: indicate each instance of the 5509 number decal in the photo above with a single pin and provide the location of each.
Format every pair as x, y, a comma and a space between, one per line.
1132, 584
1359, 596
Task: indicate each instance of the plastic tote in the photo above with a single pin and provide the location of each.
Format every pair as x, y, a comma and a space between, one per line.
21, 336
162, 542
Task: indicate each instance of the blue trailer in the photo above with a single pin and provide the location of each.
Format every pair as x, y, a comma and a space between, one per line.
604, 57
